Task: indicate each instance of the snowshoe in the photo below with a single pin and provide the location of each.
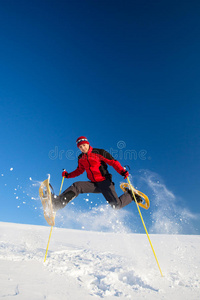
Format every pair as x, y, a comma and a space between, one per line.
141, 199
45, 196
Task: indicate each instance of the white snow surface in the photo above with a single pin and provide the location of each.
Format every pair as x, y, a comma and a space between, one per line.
95, 265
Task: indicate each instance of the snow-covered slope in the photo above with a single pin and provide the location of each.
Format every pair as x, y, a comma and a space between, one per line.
92, 265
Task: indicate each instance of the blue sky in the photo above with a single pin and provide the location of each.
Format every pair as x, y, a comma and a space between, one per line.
123, 73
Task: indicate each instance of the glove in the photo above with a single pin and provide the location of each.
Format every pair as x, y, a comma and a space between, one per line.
65, 174
125, 174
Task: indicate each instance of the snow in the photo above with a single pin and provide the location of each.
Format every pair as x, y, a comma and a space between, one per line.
96, 265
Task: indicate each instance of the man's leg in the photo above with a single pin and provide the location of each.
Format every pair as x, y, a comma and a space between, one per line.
125, 199
107, 188
79, 187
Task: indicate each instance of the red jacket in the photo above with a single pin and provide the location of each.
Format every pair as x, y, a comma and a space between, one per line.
95, 163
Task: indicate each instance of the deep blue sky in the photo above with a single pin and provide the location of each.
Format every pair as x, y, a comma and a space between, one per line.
110, 70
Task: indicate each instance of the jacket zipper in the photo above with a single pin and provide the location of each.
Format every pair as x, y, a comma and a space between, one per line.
89, 167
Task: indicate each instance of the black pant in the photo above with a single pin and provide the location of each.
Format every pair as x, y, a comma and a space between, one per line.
105, 187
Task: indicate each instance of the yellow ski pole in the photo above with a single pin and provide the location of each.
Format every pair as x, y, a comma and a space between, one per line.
144, 224
48, 243
61, 185
52, 226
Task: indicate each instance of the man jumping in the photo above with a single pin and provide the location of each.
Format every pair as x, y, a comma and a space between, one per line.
94, 161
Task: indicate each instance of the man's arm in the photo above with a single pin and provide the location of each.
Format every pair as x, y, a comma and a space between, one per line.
79, 170
107, 158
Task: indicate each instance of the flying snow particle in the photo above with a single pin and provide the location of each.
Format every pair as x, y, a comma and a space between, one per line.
2, 174
30, 179
11, 169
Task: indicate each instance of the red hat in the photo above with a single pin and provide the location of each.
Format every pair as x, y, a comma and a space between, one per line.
82, 140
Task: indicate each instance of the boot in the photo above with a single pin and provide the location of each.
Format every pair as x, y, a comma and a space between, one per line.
56, 203
138, 197
60, 202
